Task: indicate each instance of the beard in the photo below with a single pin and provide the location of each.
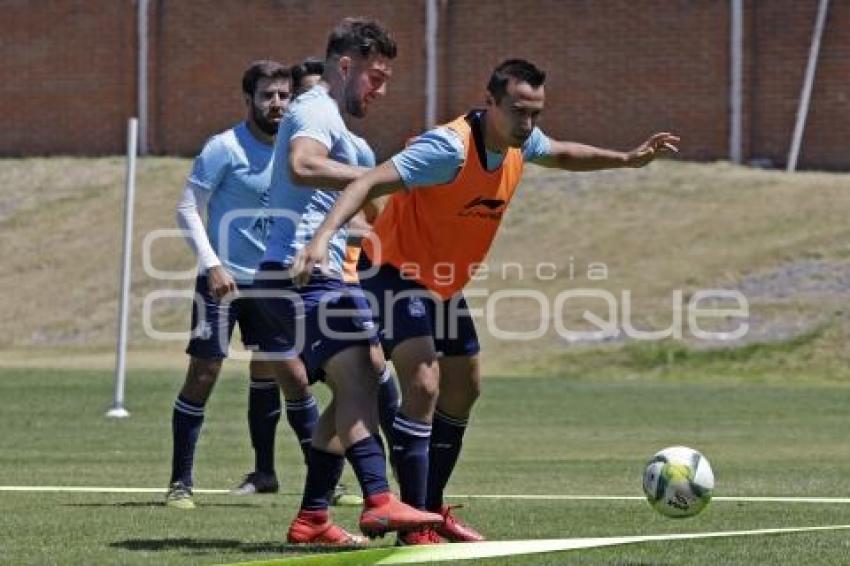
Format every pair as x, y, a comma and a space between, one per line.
354, 106
266, 126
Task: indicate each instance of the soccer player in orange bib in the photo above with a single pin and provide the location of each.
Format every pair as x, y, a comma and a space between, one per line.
451, 187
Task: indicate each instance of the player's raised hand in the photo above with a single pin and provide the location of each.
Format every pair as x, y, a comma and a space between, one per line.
220, 283
657, 144
314, 253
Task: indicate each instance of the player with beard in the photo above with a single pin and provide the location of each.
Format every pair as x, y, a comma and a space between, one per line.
229, 183
326, 324
304, 77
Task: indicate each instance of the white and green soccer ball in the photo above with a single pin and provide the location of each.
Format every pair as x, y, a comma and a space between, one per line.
678, 482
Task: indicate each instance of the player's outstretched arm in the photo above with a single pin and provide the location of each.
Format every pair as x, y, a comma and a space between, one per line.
381, 180
311, 166
573, 156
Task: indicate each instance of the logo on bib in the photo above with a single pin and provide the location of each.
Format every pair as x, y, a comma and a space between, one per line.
415, 307
479, 207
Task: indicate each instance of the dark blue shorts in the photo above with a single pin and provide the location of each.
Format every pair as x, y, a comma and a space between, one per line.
407, 309
316, 321
213, 322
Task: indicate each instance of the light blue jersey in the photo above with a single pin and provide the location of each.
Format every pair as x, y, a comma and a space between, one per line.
435, 157
365, 155
236, 168
298, 211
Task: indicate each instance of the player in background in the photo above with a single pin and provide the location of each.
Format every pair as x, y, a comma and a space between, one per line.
325, 323
306, 75
451, 187
229, 183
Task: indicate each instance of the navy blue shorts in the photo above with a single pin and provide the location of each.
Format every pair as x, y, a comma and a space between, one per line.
406, 309
213, 322
316, 321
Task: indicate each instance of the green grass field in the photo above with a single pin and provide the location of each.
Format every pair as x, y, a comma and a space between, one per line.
533, 435
769, 411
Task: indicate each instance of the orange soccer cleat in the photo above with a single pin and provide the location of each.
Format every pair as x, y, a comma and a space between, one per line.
315, 527
418, 537
453, 530
384, 513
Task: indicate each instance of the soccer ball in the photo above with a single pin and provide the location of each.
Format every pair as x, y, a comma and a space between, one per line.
678, 482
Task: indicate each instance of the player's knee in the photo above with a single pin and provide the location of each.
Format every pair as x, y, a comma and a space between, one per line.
293, 380
473, 391
293, 390
201, 378
425, 384
204, 371
461, 380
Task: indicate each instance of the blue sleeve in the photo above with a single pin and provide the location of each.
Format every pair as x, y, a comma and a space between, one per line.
315, 121
433, 158
536, 146
211, 165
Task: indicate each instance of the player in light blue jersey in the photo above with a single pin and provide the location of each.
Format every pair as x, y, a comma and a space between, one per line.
304, 77
229, 183
325, 323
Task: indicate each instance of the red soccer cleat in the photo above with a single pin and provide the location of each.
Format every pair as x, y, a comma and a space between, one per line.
385, 513
418, 537
315, 527
453, 530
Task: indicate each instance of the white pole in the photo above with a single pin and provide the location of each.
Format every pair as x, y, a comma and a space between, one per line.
431, 64
117, 410
808, 82
142, 77
736, 84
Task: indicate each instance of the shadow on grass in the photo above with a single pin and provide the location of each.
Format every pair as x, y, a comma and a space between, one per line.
233, 545
154, 504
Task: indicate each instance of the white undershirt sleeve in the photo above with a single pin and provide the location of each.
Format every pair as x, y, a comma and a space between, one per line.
192, 201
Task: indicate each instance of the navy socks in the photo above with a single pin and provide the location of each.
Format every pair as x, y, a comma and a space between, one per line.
446, 441
263, 416
410, 442
302, 415
369, 463
323, 472
186, 421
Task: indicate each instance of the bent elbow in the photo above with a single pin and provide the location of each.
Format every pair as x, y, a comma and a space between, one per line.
300, 171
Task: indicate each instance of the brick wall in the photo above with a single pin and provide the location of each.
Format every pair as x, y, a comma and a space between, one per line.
617, 69
204, 46
68, 76
781, 33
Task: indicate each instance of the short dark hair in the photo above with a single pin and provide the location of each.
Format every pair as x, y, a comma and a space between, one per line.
361, 36
262, 69
308, 67
517, 69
